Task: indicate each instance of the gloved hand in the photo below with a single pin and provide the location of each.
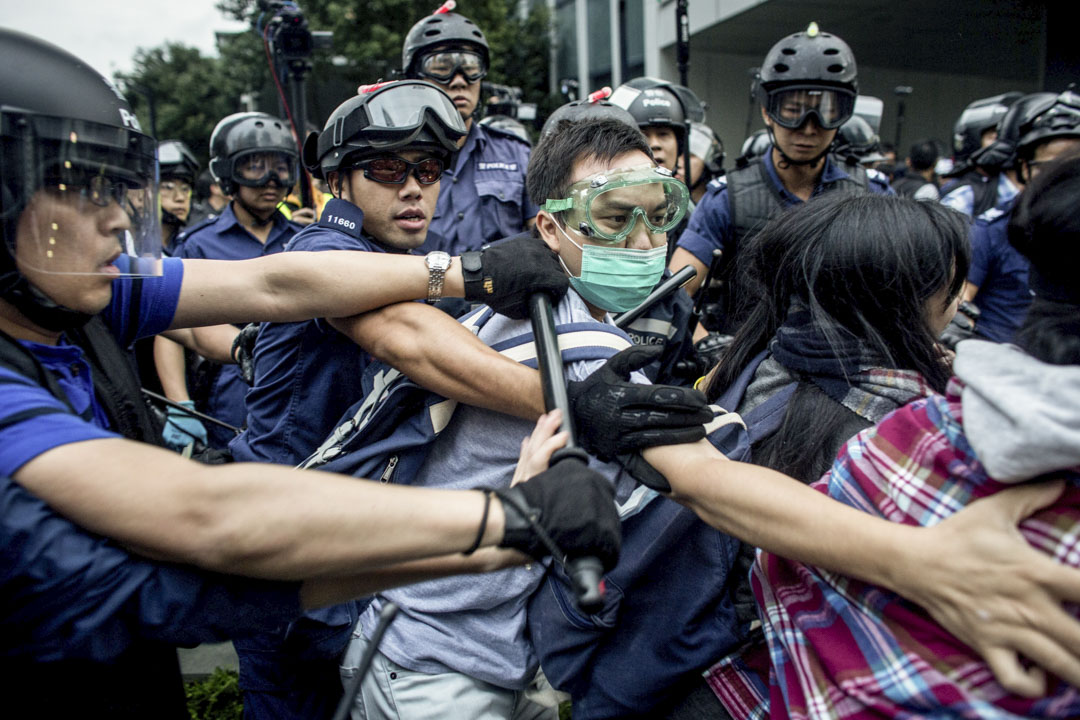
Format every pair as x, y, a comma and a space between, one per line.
709, 349
573, 504
512, 270
614, 416
243, 351
962, 325
181, 429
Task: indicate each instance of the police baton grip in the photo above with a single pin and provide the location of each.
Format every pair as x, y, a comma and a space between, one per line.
586, 573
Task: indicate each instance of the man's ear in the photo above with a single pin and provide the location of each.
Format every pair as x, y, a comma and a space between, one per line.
332, 181
548, 229
765, 117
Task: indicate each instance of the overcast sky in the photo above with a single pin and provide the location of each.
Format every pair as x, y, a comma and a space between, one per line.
106, 33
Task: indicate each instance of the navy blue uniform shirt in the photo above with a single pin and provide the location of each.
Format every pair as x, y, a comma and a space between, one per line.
482, 196
1001, 274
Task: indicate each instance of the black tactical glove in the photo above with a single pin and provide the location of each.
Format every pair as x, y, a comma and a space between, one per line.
243, 351
709, 349
505, 274
962, 325
614, 416
574, 505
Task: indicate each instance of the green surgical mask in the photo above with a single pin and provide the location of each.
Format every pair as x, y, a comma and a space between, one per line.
616, 279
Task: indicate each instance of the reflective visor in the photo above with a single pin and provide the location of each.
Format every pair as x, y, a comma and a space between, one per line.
403, 106
608, 205
259, 168
791, 107
442, 66
90, 193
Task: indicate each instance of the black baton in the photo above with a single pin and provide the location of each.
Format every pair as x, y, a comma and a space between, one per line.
585, 572
661, 291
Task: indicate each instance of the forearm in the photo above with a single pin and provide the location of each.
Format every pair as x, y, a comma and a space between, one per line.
171, 368
296, 286
437, 352
319, 592
257, 520
213, 342
772, 511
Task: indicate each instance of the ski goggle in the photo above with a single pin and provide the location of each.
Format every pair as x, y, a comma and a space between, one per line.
442, 66
608, 205
258, 168
77, 178
792, 107
394, 170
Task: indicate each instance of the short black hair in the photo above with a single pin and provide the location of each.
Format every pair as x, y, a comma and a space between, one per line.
923, 155
552, 163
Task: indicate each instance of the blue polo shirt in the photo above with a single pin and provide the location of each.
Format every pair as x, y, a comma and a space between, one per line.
710, 226
482, 196
1001, 274
306, 373
32, 421
224, 238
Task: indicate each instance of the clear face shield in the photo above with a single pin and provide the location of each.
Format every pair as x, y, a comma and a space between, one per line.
88, 193
792, 107
607, 206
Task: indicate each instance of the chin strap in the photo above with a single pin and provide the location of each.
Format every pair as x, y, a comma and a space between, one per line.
36, 306
259, 221
786, 162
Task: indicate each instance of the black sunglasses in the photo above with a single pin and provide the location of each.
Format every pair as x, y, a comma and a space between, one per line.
394, 170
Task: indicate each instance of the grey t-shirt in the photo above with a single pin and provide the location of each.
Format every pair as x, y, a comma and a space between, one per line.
475, 624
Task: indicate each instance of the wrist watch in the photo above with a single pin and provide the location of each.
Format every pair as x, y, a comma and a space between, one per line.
438, 262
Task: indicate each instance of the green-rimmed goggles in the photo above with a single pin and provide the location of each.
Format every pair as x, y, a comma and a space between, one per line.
607, 205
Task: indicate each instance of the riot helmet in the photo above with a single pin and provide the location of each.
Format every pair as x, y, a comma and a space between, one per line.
508, 125
705, 144
1001, 154
178, 168
857, 141
808, 73
653, 102
466, 48
596, 105
253, 149
979, 117
1059, 119
398, 115
754, 147
72, 153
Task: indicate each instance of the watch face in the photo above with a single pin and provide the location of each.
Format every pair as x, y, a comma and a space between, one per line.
437, 260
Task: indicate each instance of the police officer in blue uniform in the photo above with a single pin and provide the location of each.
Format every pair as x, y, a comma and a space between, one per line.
807, 87
483, 196
1047, 126
178, 169
88, 629
971, 187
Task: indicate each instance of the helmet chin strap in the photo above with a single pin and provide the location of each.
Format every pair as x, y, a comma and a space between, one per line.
788, 161
36, 306
259, 220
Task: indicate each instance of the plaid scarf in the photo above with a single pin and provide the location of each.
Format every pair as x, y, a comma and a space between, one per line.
843, 366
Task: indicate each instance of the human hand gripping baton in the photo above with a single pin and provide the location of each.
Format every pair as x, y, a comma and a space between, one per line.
585, 573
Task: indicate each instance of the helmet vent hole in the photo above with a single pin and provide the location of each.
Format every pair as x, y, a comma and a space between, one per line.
788, 51
432, 32
837, 68
780, 67
832, 51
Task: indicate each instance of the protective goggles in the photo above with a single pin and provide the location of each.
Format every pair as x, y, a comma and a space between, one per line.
394, 170
259, 168
76, 175
792, 107
607, 206
443, 66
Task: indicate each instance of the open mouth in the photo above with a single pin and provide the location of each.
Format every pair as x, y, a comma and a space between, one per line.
411, 219
109, 266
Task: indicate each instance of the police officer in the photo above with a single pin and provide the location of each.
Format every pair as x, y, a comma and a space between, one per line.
483, 197
856, 142
254, 159
1047, 126
659, 113
706, 160
178, 169
975, 129
78, 640
807, 87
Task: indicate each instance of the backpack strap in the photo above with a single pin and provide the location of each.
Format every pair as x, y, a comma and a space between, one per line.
15, 357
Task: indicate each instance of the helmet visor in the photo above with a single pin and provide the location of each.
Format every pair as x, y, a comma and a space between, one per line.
442, 66
259, 168
404, 108
88, 193
792, 107
607, 206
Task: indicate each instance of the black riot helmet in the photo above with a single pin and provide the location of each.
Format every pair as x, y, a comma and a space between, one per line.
1001, 154
508, 125
754, 147
596, 105
238, 137
177, 161
71, 149
1061, 119
385, 117
856, 141
438, 30
978, 117
652, 102
808, 73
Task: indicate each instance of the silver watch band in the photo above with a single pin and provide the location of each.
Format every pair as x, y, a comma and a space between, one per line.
438, 263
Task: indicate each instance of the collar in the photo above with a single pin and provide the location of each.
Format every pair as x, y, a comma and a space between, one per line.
344, 217
227, 220
475, 142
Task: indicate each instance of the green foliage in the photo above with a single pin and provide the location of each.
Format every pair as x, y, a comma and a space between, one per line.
215, 698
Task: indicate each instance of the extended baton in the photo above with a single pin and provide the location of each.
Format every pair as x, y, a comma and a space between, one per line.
585, 572
661, 291
386, 616
190, 411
